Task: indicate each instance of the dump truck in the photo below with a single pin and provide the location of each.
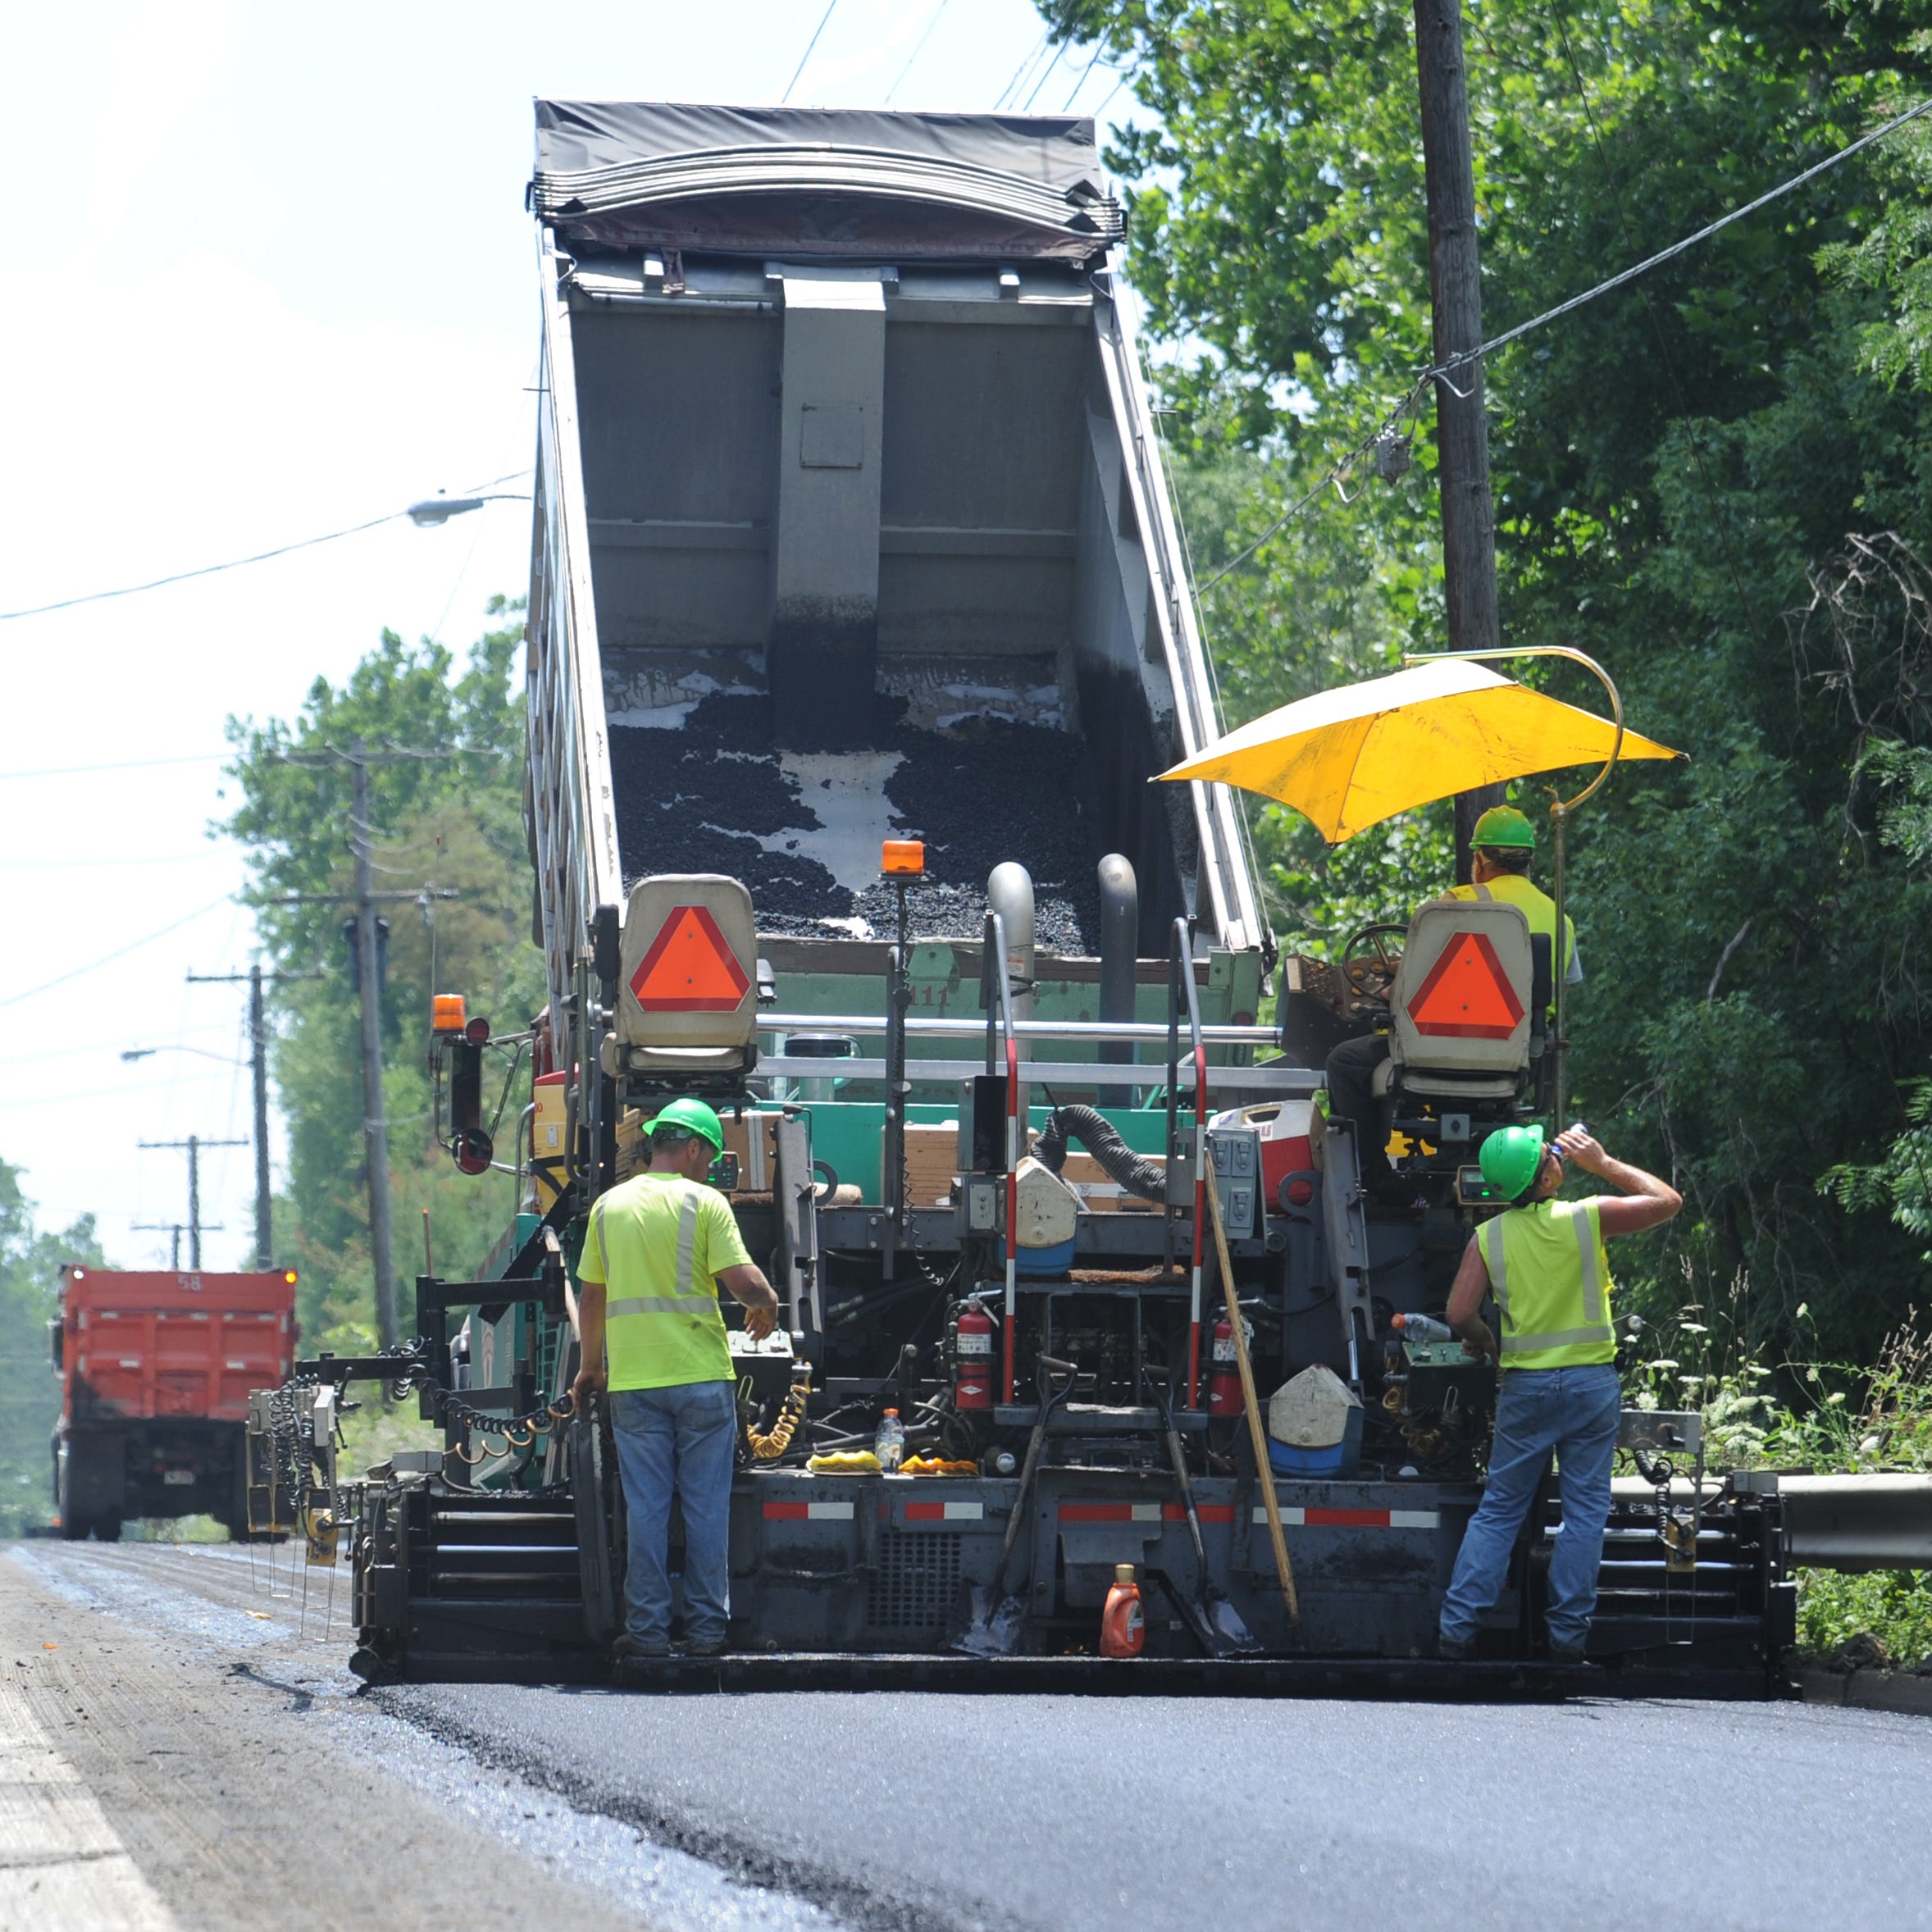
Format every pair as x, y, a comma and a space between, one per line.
156, 1373
859, 621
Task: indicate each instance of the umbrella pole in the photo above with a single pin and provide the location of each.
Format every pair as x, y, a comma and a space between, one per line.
1561, 815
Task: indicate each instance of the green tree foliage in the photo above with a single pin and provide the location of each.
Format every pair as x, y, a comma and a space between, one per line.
448, 813
1714, 482
30, 1389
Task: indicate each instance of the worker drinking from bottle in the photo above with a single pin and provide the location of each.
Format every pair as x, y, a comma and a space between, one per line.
1544, 1259
656, 1250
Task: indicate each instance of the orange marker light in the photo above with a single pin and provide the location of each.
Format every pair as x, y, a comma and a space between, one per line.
904, 859
446, 1013
290, 1278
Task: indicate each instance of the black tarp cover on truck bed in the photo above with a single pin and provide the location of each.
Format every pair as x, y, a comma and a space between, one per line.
843, 181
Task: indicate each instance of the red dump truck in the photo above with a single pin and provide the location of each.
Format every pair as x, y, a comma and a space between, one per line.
156, 1370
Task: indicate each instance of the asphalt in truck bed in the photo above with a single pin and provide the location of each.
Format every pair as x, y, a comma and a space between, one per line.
245, 1780
714, 794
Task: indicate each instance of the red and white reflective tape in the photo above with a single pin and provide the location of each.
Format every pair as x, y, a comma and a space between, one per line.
1307, 1519
808, 1512
944, 1512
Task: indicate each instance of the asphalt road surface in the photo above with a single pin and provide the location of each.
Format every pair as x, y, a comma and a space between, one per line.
220, 1768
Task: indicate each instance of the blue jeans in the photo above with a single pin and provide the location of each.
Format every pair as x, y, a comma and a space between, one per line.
1575, 1412
681, 1440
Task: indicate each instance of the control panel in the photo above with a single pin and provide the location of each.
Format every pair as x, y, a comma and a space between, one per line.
1236, 1154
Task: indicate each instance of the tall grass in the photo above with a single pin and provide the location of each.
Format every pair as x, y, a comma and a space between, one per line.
1816, 1416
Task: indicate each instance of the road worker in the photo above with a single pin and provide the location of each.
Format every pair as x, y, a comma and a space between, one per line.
1501, 848
1544, 1259
656, 1249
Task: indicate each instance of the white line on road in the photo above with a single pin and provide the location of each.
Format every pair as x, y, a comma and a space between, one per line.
61, 1862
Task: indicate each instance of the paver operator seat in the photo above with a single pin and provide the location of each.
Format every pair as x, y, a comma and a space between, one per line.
688, 990
1467, 1019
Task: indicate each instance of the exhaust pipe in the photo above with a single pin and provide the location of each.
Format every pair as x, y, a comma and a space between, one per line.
1120, 939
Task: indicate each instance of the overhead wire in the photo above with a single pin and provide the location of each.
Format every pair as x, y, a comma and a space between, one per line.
209, 570
1683, 409
128, 764
1464, 357
919, 48
824, 20
132, 945
1444, 371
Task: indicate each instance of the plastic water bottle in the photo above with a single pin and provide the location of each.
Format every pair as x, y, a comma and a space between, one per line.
1423, 1328
889, 1446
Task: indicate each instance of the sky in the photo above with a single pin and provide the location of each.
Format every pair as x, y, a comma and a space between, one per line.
269, 275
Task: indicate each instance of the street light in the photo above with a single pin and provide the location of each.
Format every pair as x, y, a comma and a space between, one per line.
434, 511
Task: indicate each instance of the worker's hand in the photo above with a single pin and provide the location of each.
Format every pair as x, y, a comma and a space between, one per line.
589, 1381
1483, 1346
1581, 1148
760, 1322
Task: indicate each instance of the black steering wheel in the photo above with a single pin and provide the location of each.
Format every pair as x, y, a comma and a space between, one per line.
1367, 963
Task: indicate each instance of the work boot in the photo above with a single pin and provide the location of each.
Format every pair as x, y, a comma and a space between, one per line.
1567, 1653
1454, 1650
627, 1646
707, 1647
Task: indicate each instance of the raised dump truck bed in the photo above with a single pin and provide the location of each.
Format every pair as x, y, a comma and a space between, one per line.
851, 526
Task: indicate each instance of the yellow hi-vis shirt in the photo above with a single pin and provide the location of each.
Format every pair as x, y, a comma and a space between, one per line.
1553, 1286
658, 1243
1537, 906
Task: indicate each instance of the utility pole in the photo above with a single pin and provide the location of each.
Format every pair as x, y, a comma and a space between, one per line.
195, 1144
172, 1229
375, 1124
1456, 301
359, 758
259, 1062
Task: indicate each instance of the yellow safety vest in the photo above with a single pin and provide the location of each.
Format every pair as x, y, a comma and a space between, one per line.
1536, 905
660, 1242
1552, 1285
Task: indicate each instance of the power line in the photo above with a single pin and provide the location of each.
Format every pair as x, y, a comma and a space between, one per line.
209, 570
131, 764
917, 51
806, 56
1442, 371
1683, 409
1025, 67
1676, 248
1099, 46
120, 953
1047, 75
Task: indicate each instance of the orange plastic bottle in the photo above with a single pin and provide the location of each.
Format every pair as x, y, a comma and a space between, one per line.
1123, 1628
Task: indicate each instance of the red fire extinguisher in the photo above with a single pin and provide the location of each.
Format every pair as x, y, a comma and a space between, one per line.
1225, 1369
972, 1358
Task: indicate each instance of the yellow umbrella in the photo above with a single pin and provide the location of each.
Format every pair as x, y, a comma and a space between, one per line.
1348, 759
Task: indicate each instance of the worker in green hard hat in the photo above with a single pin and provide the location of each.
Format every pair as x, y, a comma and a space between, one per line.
656, 1249
1501, 848
1543, 1260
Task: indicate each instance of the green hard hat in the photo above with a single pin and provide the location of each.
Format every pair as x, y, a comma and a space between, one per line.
1503, 825
694, 1117
1512, 1158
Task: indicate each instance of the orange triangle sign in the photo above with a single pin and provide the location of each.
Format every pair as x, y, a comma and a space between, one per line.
690, 967
1467, 994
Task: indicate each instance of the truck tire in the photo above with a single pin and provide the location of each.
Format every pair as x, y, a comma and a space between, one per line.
107, 1528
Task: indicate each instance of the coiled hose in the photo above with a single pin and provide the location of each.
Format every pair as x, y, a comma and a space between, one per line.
769, 1447
1134, 1172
